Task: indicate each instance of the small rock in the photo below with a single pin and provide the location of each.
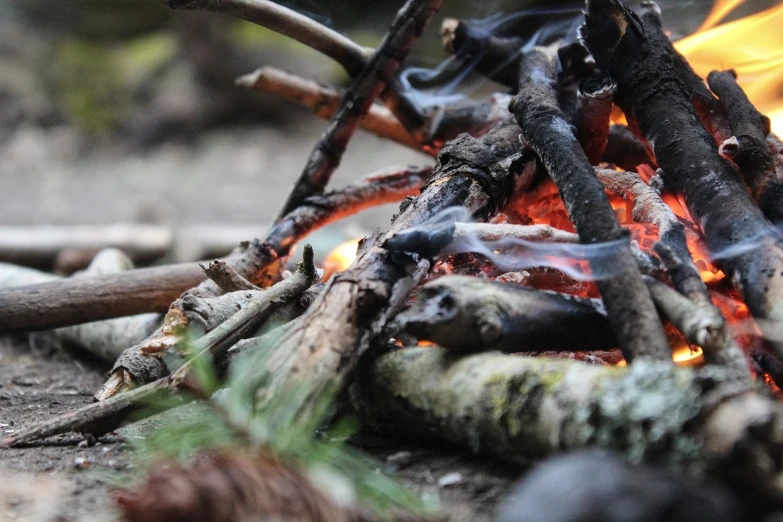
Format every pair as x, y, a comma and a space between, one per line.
450, 479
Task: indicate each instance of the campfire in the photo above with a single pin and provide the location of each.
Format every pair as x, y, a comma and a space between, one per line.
592, 262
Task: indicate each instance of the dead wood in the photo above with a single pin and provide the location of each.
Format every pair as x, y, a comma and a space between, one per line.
204, 326
519, 407
495, 57
289, 23
115, 408
655, 90
325, 101
104, 339
648, 207
374, 77
439, 124
79, 300
226, 278
624, 149
473, 314
322, 346
74, 301
747, 146
546, 131
592, 113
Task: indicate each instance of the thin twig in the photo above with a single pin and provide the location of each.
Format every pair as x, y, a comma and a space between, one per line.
288, 22
369, 84
226, 277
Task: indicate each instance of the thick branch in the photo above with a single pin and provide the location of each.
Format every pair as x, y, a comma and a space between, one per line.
473, 314
368, 85
523, 407
656, 89
545, 130
592, 113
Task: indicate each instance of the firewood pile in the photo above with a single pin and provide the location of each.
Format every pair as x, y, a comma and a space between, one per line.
530, 297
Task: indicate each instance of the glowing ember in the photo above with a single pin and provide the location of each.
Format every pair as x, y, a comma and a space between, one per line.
340, 258
753, 46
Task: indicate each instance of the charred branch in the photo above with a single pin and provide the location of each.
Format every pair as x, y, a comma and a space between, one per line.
701, 420
624, 149
472, 314
368, 85
546, 131
495, 57
713, 334
747, 146
655, 90
592, 113
439, 123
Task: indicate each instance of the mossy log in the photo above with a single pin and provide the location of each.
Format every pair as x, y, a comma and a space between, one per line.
518, 407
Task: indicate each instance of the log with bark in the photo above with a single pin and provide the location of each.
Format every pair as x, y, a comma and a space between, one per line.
472, 314
656, 87
103, 339
521, 408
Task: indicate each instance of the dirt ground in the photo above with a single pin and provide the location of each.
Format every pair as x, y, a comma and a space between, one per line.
230, 176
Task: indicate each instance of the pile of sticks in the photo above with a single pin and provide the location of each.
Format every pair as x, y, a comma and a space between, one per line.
711, 147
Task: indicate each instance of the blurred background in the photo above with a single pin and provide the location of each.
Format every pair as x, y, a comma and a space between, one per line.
124, 111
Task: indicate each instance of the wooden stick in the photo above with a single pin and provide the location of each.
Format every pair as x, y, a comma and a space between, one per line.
74, 301
592, 113
289, 23
259, 262
473, 314
713, 335
322, 347
624, 149
748, 147
545, 130
368, 85
518, 407
439, 123
107, 415
325, 101
226, 277
656, 92
79, 300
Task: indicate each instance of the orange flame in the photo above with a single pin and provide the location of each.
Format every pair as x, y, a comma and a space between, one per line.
340, 257
752, 46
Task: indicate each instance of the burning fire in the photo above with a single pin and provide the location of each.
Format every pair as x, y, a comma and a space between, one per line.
753, 46
340, 257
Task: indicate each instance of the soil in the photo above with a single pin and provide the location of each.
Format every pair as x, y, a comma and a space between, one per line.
237, 175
